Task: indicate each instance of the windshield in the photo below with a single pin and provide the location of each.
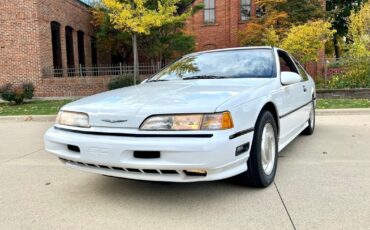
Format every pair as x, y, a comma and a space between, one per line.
249, 63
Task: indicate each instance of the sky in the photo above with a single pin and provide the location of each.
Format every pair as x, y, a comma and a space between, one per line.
86, 1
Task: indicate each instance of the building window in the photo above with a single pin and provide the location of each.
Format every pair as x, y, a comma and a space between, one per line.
209, 12
81, 48
260, 11
69, 49
57, 49
245, 10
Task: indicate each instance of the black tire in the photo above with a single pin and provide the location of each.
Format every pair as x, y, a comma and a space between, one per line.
255, 176
311, 122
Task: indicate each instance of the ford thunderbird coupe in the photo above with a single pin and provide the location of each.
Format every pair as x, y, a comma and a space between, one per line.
208, 116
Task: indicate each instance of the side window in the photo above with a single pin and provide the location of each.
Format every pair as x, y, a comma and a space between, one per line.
301, 71
286, 63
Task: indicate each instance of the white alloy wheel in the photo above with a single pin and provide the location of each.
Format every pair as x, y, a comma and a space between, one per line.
268, 149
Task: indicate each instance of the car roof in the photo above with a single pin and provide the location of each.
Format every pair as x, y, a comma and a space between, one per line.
231, 49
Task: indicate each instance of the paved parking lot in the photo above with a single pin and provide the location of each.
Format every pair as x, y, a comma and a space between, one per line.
323, 182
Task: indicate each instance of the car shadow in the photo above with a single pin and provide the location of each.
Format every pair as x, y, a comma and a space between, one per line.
294, 147
167, 192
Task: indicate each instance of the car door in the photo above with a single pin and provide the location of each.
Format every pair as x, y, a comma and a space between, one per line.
307, 90
291, 116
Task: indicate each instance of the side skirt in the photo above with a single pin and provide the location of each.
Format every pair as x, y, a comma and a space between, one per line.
302, 127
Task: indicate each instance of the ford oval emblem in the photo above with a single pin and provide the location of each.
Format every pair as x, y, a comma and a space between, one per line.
114, 121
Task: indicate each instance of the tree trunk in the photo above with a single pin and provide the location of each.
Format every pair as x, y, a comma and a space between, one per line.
136, 58
336, 46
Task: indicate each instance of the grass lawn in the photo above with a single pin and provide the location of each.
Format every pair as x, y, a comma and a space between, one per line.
32, 108
52, 107
342, 103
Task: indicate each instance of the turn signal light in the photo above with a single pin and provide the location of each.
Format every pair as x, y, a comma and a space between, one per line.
227, 121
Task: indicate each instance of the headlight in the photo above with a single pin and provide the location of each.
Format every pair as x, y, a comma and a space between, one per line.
73, 119
216, 121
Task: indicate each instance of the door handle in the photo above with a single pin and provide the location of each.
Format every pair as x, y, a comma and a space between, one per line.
304, 89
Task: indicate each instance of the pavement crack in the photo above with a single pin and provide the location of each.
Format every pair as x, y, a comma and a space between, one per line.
17, 158
286, 209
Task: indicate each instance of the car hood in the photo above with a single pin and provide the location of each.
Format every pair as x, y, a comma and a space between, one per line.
128, 107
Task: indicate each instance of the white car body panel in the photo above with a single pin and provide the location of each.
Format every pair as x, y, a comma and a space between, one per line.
111, 145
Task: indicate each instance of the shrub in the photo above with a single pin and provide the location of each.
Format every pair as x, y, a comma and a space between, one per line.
16, 94
120, 82
320, 82
6, 92
28, 90
356, 74
19, 95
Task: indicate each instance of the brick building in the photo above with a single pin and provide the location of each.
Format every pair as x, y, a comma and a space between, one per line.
39, 35
219, 24
39, 39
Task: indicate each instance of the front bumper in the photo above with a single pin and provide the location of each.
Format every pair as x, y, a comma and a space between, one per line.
113, 155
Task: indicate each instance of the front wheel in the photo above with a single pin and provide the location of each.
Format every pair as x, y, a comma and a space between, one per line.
262, 162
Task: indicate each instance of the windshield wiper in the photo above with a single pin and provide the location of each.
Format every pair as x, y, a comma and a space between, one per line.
205, 77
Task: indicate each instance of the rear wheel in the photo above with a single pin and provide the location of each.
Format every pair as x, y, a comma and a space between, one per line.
311, 121
262, 161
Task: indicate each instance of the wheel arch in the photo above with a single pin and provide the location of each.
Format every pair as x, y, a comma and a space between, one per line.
271, 107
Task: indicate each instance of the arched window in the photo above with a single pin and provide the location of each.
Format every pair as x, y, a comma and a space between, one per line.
56, 48
81, 47
94, 52
209, 46
69, 49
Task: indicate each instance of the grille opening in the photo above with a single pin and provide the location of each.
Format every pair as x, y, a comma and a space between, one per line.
117, 168
147, 154
151, 171
133, 170
73, 148
195, 172
103, 167
169, 172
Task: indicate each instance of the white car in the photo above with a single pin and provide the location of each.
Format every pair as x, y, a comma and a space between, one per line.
208, 116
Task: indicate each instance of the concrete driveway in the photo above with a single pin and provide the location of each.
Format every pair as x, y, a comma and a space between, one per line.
323, 182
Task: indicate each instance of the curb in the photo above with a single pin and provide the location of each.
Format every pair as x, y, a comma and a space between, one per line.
29, 118
47, 99
333, 112
319, 112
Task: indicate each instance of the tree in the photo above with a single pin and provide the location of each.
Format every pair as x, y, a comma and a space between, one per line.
302, 11
166, 42
137, 17
359, 32
305, 41
281, 15
339, 12
256, 31
116, 42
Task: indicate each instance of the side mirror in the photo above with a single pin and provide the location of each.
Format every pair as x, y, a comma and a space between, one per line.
288, 78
